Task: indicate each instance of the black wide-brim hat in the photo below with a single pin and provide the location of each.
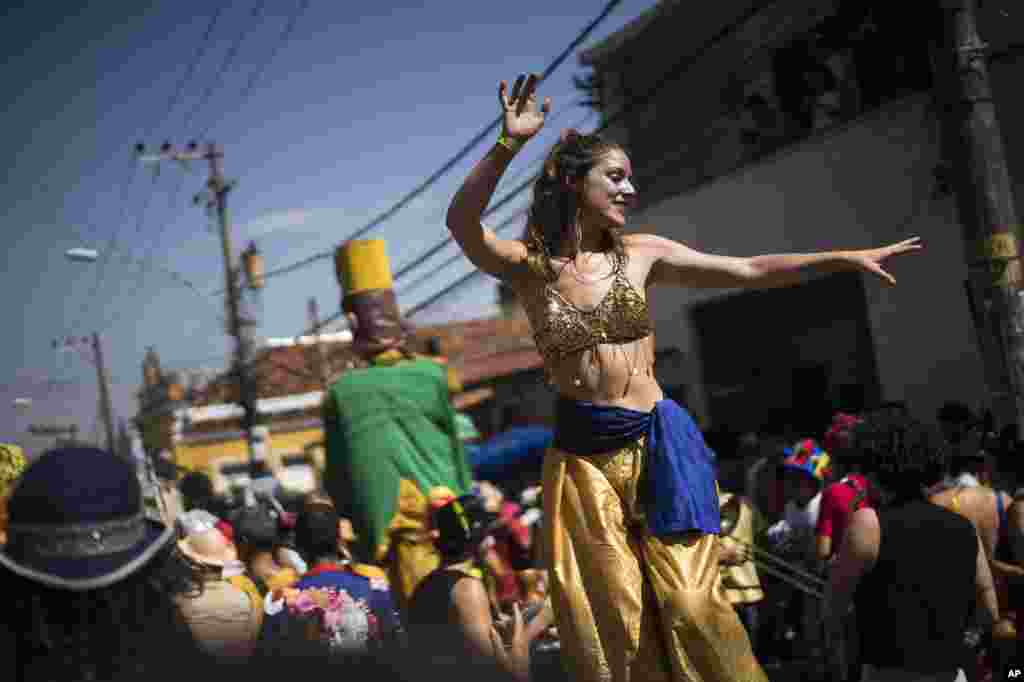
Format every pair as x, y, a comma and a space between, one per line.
77, 521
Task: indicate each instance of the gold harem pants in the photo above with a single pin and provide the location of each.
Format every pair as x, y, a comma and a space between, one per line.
629, 606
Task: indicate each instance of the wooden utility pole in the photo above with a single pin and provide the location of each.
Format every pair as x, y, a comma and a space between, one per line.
106, 409
986, 206
239, 327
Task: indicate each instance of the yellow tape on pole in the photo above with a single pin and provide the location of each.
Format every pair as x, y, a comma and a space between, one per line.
1001, 253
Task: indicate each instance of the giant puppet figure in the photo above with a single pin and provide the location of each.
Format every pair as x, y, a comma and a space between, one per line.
392, 445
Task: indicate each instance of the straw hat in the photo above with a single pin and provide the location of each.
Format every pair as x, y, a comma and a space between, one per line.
203, 543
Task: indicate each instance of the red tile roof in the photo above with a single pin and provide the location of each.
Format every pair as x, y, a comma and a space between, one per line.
480, 349
498, 365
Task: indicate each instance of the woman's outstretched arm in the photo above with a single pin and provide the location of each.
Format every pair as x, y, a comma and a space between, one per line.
522, 120
676, 264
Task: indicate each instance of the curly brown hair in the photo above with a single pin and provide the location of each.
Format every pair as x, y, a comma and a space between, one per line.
900, 454
553, 220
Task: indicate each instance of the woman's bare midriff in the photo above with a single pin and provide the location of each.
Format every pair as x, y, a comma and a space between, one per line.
618, 375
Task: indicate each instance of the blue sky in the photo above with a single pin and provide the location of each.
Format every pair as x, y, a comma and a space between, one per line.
356, 108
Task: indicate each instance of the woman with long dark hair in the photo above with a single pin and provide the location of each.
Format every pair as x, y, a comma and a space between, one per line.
631, 508
90, 582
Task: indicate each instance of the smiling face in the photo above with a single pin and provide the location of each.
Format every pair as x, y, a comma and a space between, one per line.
607, 192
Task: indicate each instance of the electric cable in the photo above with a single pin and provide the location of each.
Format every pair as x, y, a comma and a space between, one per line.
101, 269
254, 77
175, 98
229, 58
452, 162
204, 43
677, 70
505, 180
438, 269
226, 64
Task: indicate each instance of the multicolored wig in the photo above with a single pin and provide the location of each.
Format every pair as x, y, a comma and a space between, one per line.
808, 458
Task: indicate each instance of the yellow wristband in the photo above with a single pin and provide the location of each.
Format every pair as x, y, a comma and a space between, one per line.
510, 143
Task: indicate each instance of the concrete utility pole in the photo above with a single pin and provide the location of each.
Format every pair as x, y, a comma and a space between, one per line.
215, 201
106, 409
986, 205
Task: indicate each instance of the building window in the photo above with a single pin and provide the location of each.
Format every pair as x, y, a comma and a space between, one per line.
767, 87
853, 62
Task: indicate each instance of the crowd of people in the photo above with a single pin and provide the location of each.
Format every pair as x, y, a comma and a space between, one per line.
863, 547
102, 590
879, 545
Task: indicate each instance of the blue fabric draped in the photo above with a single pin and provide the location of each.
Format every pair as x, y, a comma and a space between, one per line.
679, 492
510, 453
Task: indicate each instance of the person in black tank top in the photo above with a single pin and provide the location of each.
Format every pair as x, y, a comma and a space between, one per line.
450, 619
914, 571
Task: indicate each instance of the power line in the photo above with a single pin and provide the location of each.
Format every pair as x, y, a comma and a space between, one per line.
113, 241
452, 162
677, 70
254, 77
508, 222
226, 64
508, 179
105, 256
299, 265
147, 260
189, 72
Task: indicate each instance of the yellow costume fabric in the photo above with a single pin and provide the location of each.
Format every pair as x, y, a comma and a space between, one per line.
740, 581
631, 606
286, 577
412, 555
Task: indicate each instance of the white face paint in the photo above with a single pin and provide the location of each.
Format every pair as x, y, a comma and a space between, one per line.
608, 192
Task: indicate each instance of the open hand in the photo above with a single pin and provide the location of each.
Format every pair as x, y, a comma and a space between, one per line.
871, 259
522, 117
516, 657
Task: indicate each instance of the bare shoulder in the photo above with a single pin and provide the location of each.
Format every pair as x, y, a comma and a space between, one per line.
470, 599
644, 250
468, 590
645, 244
864, 530
865, 518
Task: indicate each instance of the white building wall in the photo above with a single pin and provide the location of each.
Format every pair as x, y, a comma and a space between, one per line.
862, 185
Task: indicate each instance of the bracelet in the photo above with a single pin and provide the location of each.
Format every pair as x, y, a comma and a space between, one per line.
510, 143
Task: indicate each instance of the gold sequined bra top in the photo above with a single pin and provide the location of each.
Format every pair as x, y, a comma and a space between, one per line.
561, 328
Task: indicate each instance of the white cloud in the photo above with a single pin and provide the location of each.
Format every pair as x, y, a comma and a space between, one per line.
291, 219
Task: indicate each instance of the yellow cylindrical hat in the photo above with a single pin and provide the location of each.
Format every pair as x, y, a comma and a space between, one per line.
362, 265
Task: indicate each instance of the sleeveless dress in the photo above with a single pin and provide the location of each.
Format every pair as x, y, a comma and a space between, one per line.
630, 604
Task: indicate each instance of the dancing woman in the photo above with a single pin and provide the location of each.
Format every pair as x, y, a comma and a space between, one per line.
630, 498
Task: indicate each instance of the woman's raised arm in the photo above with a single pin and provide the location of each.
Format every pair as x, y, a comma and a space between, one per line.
522, 120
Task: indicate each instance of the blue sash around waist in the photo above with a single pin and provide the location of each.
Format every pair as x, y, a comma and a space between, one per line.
678, 493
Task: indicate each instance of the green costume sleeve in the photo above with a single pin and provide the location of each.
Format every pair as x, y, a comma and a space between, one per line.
383, 425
